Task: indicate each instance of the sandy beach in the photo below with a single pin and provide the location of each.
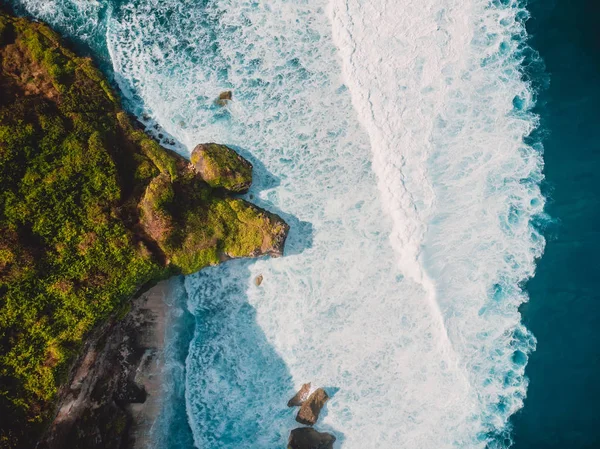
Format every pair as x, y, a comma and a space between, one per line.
149, 312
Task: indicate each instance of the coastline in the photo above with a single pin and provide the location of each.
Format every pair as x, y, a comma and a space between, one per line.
150, 311
103, 213
114, 394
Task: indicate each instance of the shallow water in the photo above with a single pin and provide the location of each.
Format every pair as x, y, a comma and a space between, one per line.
394, 146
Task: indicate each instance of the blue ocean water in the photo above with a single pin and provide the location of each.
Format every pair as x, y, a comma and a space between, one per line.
561, 408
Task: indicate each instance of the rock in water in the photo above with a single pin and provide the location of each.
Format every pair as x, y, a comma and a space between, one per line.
309, 438
300, 397
309, 412
221, 167
258, 280
224, 97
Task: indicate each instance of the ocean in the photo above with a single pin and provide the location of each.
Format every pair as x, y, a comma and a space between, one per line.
401, 143
564, 309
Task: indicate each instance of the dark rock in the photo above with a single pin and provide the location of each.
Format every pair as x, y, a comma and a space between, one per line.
224, 97
309, 438
103, 427
309, 412
222, 167
130, 393
300, 397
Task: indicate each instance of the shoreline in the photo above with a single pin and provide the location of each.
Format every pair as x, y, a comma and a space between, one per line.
114, 394
110, 212
152, 312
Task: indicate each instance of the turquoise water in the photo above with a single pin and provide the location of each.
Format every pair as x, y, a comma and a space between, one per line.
399, 148
561, 408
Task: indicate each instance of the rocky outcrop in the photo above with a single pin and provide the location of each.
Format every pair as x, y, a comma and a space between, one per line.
310, 409
193, 225
258, 280
300, 397
222, 167
309, 438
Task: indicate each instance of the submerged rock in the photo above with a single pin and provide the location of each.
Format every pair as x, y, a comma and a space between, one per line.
310, 409
300, 397
309, 438
221, 167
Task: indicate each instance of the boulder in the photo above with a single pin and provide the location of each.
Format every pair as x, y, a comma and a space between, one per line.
224, 97
221, 167
300, 397
310, 409
309, 438
258, 280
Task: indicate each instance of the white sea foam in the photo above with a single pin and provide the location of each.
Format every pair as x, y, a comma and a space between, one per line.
438, 87
78, 18
389, 134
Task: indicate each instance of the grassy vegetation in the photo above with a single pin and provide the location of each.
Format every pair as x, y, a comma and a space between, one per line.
68, 256
195, 226
221, 167
91, 210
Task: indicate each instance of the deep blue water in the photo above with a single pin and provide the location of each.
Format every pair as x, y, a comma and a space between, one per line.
562, 405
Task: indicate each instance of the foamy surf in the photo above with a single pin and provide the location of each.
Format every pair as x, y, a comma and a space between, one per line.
439, 89
392, 138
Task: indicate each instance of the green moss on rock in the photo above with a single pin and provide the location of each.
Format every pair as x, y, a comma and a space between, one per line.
222, 167
195, 228
228, 228
91, 210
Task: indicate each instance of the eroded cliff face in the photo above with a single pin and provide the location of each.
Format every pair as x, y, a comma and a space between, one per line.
91, 211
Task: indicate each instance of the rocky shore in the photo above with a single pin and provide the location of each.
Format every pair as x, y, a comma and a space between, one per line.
93, 211
114, 391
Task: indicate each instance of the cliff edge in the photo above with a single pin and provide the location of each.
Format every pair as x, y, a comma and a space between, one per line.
92, 212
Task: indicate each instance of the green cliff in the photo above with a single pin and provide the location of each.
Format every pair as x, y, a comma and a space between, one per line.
91, 211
